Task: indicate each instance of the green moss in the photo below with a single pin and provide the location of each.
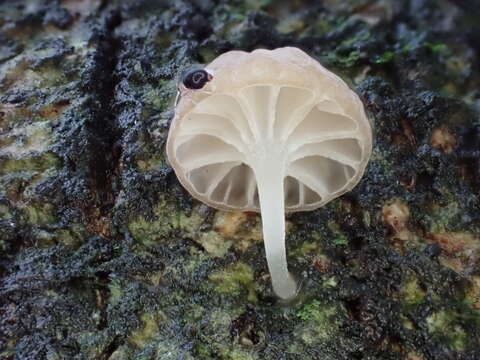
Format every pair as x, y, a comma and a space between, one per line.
235, 280
364, 35
319, 323
436, 48
386, 57
347, 61
339, 238
309, 311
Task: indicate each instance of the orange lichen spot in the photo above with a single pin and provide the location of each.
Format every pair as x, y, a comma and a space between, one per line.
322, 263
240, 226
473, 293
454, 242
395, 215
442, 139
53, 111
460, 250
229, 223
10, 113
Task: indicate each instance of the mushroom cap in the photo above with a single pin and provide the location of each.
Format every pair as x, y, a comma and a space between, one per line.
269, 106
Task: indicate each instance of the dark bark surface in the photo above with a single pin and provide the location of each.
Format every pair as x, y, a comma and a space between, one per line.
104, 256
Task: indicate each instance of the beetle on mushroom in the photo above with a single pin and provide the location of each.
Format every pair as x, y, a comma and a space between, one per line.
273, 131
192, 79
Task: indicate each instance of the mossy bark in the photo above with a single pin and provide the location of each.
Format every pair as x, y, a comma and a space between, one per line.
104, 256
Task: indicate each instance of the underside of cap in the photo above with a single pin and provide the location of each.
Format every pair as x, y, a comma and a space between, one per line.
276, 107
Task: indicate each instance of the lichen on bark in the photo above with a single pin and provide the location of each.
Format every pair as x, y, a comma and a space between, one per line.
104, 256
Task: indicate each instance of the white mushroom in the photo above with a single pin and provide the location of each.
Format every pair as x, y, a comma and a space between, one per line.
270, 131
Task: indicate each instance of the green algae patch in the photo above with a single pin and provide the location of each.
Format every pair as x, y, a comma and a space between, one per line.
214, 244
235, 352
411, 292
34, 162
319, 322
444, 218
446, 326
40, 214
215, 340
207, 54
346, 60
71, 236
167, 218
5, 212
235, 280
24, 139
473, 294
148, 330
116, 291
155, 162
292, 24
339, 238
170, 350
156, 97
330, 282
307, 248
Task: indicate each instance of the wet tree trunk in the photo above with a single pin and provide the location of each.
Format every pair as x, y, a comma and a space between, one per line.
104, 256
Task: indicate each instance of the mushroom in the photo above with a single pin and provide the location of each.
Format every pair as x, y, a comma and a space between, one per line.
270, 131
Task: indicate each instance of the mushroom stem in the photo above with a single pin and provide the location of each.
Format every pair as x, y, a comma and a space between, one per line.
271, 196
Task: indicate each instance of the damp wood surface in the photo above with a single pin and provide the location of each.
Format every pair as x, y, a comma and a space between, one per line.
104, 256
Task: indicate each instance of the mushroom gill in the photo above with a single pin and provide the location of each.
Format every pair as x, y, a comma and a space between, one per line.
272, 131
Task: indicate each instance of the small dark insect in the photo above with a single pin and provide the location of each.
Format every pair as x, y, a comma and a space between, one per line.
195, 79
